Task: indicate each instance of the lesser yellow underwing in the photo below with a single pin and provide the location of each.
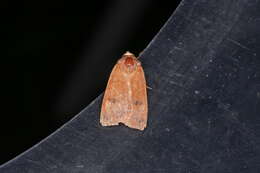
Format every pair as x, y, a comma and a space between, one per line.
125, 98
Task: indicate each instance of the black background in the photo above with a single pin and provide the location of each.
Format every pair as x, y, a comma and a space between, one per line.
56, 58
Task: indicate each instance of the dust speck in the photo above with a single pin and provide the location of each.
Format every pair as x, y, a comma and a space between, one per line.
258, 95
196, 92
167, 129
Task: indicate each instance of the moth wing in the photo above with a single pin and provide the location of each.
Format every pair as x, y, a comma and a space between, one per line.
115, 102
138, 118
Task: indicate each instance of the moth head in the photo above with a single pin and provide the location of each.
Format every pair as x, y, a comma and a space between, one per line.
129, 62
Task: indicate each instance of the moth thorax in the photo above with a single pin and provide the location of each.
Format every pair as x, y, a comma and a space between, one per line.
130, 64
129, 61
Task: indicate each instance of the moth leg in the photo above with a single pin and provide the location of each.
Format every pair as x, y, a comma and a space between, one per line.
148, 87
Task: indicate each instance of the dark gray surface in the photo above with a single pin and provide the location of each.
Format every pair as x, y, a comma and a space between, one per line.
204, 68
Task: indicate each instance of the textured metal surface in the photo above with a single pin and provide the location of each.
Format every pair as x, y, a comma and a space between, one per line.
204, 106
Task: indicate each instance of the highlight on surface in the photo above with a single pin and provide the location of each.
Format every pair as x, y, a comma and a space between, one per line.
125, 98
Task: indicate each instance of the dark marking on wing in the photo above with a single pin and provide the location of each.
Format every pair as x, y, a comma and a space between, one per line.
138, 103
112, 100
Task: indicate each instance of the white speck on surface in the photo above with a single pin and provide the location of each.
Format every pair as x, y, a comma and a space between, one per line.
196, 92
195, 67
80, 166
258, 94
207, 75
167, 129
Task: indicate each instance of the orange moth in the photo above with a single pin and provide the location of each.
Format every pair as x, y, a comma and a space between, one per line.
125, 98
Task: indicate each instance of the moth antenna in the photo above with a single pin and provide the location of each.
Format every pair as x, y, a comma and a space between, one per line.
139, 55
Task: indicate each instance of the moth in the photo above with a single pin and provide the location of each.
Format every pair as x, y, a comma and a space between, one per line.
125, 98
